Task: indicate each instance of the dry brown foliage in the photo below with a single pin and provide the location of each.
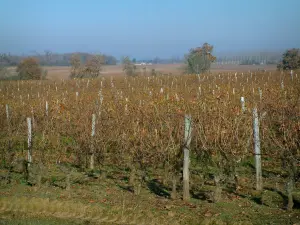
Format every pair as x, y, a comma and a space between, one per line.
140, 121
29, 69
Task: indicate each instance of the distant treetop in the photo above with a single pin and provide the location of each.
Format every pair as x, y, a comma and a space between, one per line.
290, 60
199, 59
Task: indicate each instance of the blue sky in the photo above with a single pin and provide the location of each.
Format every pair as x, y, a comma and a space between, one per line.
147, 28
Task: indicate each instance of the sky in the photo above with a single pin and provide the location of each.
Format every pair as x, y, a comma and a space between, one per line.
148, 28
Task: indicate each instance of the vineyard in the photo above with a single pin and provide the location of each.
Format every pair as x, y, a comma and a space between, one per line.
185, 141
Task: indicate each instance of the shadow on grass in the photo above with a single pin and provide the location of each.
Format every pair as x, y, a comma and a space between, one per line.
126, 188
201, 195
157, 188
268, 173
285, 198
256, 199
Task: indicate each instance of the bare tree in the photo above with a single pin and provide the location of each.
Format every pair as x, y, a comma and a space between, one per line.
93, 66
75, 65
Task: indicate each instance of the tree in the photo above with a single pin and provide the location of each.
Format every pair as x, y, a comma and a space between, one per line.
290, 60
199, 59
4, 61
93, 66
29, 69
75, 65
110, 60
128, 67
48, 57
4, 73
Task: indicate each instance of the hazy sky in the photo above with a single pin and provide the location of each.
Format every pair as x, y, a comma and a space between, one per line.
147, 28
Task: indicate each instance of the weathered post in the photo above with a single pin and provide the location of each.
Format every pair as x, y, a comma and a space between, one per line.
126, 106
8, 125
29, 140
161, 90
260, 94
243, 104
46, 108
257, 153
289, 190
7, 113
92, 162
186, 156
101, 101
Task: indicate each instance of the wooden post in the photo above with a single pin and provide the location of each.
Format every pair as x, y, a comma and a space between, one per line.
186, 156
290, 188
29, 140
126, 107
259, 184
92, 162
243, 104
47, 108
8, 126
174, 180
260, 94
101, 101
7, 113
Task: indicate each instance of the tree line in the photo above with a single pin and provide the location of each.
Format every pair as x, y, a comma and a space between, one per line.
49, 58
84, 65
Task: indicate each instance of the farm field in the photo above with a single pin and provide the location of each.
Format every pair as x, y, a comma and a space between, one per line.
175, 69
111, 150
63, 72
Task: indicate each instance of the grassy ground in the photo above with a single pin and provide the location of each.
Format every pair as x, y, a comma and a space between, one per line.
93, 199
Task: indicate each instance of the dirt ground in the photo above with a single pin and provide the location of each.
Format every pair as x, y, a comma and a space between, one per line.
62, 72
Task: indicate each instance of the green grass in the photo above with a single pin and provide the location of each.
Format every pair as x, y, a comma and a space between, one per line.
96, 200
11, 220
